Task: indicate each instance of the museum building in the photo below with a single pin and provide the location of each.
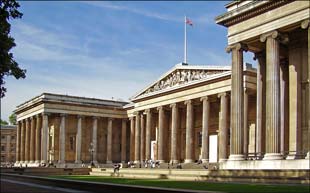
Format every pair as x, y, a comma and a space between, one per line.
236, 116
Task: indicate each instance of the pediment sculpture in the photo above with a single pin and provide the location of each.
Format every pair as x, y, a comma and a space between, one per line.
179, 77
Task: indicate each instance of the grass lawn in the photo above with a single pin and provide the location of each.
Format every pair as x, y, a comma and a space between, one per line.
194, 185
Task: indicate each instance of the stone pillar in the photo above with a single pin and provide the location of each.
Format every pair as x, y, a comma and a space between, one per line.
94, 139
160, 142
223, 127
18, 138
78, 140
189, 132
137, 139
148, 134
236, 118
109, 141
38, 139
32, 140
273, 96
174, 132
205, 128
22, 141
246, 124
44, 139
306, 25
260, 103
27, 141
124, 145
132, 138
142, 137
62, 139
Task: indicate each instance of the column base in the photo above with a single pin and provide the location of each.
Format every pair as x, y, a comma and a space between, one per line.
273, 156
187, 161
78, 162
205, 161
174, 161
236, 157
31, 162
37, 161
223, 160
61, 161
108, 161
161, 161
294, 156
308, 155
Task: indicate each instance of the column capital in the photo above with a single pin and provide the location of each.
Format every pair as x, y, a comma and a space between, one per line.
31, 118
205, 98
147, 111
95, 117
26, 120
46, 114
110, 118
136, 113
80, 116
173, 105
188, 102
223, 94
236, 46
282, 38
38, 115
160, 108
131, 118
305, 24
63, 115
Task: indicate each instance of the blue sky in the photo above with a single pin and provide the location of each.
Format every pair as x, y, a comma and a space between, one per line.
108, 49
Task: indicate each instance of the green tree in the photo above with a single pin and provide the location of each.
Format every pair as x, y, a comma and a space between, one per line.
12, 119
8, 66
3, 122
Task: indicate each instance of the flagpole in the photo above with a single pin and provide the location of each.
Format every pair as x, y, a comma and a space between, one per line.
185, 42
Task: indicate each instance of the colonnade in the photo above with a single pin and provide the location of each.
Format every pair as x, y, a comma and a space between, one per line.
33, 142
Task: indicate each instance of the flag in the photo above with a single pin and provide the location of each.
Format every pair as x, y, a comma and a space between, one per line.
189, 22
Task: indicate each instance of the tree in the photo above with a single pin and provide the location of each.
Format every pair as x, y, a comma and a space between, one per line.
12, 119
3, 122
8, 66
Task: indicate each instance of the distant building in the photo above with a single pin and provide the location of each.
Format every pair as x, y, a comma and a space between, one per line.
8, 143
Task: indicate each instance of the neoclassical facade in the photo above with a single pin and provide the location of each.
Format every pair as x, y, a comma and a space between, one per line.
236, 116
8, 144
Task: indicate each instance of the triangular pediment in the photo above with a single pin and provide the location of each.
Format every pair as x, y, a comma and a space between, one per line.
181, 75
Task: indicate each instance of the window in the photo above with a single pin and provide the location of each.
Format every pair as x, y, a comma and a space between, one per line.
12, 137
72, 143
199, 139
2, 136
2, 158
2, 148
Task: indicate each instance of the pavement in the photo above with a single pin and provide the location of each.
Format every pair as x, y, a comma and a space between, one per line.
11, 185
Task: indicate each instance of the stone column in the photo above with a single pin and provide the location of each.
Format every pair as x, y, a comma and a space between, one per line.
284, 101
27, 141
109, 141
137, 139
94, 139
223, 127
62, 139
205, 132
44, 139
22, 141
160, 142
32, 140
38, 139
78, 140
306, 25
273, 96
148, 134
18, 138
260, 103
236, 118
174, 132
142, 137
123, 150
189, 132
132, 138
246, 124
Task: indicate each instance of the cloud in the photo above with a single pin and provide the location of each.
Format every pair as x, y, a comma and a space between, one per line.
142, 12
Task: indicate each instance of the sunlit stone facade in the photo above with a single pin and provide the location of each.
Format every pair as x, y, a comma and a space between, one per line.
235, 116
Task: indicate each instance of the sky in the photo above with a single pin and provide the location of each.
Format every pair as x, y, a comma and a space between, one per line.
109, 50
